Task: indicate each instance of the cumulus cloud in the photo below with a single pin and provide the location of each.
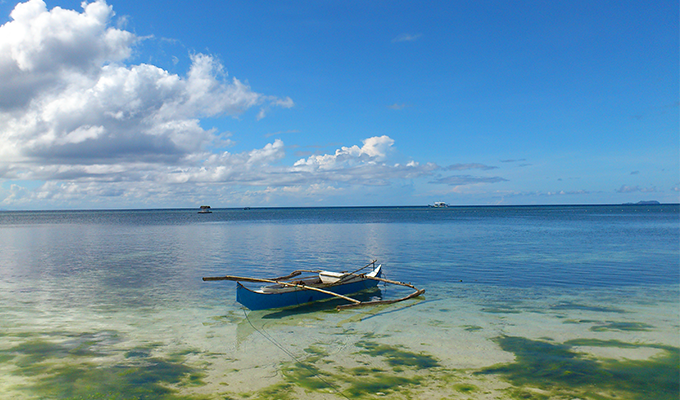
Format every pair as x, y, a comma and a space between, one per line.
66, 97
374, 149
42, 50
365, 165
79, 120
633, 189
283, 103
150, 183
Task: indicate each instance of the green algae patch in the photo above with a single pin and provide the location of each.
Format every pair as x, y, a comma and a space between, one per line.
580, 321
66, 370
657, 377
117, 381
390, 371
38, 350
465, 388
612, 343
316, 353
141, 351
380, 383
305, 375
35, 351
570, 306
355, 383
500, 310
472, 328
606, 326
527, 394
544, 363
549, 370
397, 356
281, 391
360, 371
373, 335
622, 326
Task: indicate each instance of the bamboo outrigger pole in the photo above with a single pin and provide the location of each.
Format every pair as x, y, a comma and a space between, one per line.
390, 281
417, 293
378, 302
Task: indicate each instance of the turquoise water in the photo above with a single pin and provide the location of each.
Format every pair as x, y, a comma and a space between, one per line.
521, 302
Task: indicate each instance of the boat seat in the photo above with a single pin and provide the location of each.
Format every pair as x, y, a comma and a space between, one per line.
330, 277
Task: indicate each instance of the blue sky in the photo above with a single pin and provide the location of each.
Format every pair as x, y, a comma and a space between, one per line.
128, 104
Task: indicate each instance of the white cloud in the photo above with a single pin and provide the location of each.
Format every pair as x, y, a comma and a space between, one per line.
633, 189
283, 103
397, 106
42, 49
155, 183
568, 193
79, 123
407, 37
66, 98
374, 149
83, 133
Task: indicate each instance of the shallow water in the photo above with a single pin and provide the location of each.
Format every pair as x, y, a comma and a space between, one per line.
521, 302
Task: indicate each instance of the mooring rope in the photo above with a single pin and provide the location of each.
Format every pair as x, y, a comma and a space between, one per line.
291, 355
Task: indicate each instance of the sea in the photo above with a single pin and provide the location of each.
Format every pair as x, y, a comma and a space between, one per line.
525, 302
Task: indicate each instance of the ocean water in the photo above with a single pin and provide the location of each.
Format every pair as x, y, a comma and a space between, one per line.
521, 302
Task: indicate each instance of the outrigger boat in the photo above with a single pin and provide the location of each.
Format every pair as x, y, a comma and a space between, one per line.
286, 291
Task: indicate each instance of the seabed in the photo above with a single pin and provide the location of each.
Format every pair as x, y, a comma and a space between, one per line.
469, 342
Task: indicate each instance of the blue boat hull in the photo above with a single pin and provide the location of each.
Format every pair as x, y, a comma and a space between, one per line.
262, 301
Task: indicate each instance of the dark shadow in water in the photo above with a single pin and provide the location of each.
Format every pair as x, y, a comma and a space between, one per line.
324, 305
565, 373
582, 307
256, 321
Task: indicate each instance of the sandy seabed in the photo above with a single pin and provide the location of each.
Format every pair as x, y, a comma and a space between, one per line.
461, 341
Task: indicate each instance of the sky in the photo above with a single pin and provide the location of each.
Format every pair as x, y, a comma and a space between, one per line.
123, 104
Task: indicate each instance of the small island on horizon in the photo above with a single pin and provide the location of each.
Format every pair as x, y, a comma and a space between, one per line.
644, 203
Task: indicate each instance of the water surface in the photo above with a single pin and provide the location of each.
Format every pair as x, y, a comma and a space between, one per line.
110, 304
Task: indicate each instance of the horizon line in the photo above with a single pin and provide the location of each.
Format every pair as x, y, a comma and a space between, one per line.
327, 207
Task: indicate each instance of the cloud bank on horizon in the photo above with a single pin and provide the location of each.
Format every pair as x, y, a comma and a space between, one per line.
82, 126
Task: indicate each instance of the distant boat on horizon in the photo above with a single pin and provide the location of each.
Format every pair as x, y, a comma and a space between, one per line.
438, 204
205, 210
